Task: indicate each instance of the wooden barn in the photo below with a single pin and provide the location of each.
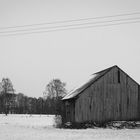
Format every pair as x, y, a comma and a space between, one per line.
110, 95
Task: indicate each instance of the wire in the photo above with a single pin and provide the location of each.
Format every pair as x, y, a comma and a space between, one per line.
71, 28
63, 26
73, 20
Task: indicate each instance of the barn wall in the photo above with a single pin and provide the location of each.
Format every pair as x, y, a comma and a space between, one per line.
139, 101
69, 115
109, 98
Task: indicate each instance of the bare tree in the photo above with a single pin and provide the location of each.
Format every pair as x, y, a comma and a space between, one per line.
6, 90
6, 86
55, 89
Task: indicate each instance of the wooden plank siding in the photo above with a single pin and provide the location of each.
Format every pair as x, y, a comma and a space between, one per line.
109, 98
70, 111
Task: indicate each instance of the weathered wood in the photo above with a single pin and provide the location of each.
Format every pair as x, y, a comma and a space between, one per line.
109, 98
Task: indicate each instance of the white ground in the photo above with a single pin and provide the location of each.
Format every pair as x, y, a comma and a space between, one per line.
36, 127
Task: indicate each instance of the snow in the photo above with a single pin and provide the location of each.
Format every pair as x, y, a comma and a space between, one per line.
40, 127
81, 87
34, 121
89, 80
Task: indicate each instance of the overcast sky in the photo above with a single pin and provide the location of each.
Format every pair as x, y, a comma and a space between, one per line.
32, 60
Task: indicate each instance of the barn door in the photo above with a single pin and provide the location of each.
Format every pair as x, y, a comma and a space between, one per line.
68, 116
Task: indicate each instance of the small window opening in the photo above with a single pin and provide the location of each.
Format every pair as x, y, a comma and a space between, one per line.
119, 76
90, 107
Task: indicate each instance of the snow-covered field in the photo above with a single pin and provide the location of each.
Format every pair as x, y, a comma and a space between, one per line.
40, 127
28, 121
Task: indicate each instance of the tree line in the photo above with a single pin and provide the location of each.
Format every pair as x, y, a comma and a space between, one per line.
50, 103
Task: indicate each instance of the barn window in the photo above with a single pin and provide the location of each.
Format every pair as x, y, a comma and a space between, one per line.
90, 107
119, 76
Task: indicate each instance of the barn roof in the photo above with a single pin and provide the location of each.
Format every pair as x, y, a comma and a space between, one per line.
94, 77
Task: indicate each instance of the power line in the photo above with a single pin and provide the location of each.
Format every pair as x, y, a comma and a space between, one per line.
71, 25
105, 25
72, 20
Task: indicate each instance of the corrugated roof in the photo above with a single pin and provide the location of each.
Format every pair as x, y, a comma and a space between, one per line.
94, 77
